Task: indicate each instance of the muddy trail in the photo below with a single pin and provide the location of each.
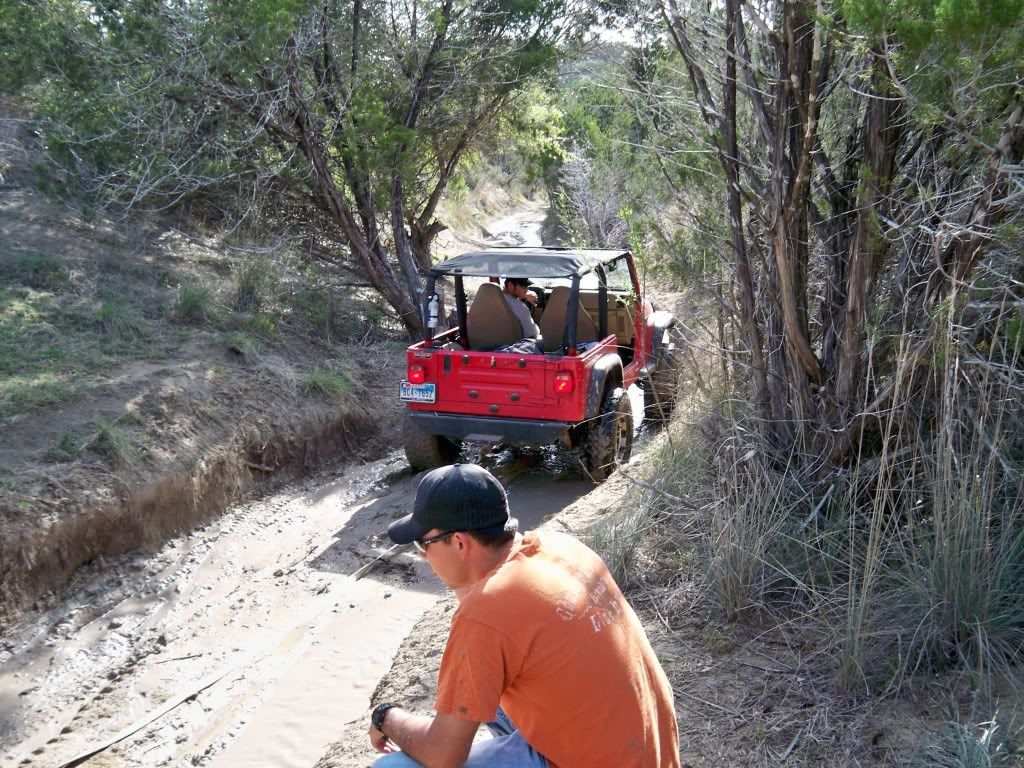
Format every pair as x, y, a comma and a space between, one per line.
246, 641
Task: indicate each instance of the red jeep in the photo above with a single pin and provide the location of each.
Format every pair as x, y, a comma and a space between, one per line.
482, 381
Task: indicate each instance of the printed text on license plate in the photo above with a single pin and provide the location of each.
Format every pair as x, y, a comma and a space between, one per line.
418, 393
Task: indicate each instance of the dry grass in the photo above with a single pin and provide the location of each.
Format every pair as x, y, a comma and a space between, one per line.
876, 583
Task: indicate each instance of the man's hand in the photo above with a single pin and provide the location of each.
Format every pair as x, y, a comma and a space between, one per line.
380, 741
442, 741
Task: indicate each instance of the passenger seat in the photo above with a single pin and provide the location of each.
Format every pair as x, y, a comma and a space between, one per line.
552, 322
490, 322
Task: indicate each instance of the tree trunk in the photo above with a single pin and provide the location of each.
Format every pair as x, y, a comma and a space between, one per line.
371, 256
745, 282
881, 136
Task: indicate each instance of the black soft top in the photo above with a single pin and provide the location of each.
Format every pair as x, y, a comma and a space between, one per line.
526, 262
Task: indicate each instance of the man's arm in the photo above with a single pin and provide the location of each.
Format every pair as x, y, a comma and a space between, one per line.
441, 741
522, 313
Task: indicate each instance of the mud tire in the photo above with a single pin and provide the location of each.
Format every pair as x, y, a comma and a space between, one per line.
661, 390
426, 451
608, 443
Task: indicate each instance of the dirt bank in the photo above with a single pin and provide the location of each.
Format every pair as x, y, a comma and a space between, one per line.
152, 373
43, 546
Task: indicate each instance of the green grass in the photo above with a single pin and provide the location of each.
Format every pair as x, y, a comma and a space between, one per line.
260, 324
49, 345
10, 484
194, 303
66, 449
255, 285
118, 319
315, 304
968, 745
37, 270
718, 640
333, 384
115, 444
241, 344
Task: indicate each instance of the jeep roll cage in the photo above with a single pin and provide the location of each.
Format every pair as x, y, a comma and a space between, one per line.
541, 263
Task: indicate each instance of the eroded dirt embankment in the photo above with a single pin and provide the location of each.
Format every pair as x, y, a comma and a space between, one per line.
154, 371
36, 559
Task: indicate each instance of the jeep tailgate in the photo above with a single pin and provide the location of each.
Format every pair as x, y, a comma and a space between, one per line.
499, 384
513, 383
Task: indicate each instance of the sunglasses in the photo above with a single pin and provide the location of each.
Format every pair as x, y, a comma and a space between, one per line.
422, 544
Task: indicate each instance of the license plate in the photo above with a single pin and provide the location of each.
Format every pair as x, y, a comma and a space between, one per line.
418, 393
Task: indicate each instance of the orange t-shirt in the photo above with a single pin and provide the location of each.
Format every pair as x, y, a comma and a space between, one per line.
549, 637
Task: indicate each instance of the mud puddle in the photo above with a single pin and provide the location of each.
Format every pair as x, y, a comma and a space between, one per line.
246, 641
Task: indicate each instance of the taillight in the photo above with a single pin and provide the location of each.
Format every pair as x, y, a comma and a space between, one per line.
417, 374
564, 383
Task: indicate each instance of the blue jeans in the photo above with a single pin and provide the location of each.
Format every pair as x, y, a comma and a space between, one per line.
506, 750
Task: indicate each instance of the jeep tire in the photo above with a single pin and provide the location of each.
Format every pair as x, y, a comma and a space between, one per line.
426, 451
608, 442
662, 388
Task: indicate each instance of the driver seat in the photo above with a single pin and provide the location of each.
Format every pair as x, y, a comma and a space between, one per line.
552, 322
490, 322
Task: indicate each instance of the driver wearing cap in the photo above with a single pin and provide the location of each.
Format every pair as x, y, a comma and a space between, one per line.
543, 647
520, 300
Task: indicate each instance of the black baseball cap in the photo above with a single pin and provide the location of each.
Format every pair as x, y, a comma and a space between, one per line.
459, 497
523, 281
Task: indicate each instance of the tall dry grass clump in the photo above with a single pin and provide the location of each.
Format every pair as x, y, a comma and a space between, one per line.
941, 579
904, 561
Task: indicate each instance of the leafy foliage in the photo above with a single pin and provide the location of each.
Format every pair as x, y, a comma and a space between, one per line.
357, 114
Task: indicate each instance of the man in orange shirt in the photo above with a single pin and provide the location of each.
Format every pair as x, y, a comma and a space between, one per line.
543, 647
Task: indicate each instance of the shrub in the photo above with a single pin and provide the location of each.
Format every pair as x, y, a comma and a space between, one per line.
241, 344
967, 745
261, 324
40, 271
114, 443
66, 449
317, 306
910, 560
255, 284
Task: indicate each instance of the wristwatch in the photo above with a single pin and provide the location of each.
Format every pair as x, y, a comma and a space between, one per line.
378, 714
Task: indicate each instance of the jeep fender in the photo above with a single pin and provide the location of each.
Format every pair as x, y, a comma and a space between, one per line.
607, 371
659, 322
